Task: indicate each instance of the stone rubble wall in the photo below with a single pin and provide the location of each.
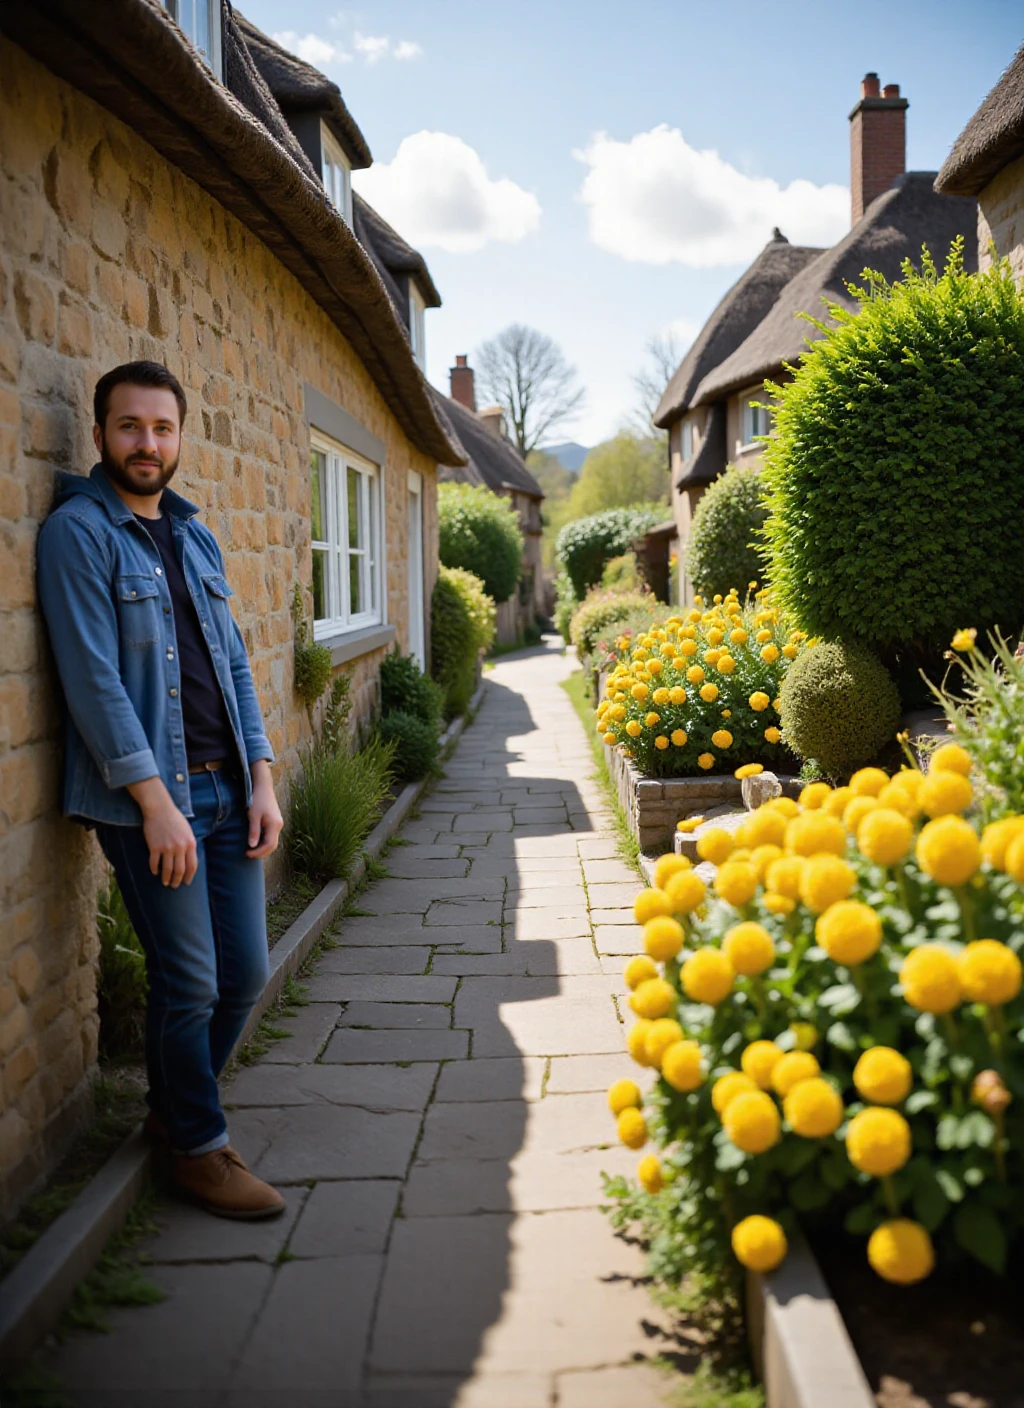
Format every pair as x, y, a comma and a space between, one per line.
1001, 219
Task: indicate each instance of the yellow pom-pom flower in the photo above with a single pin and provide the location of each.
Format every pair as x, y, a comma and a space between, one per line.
948, 849
661, 695
722, 738
901, 1251
688, 648
770, 653
716, 845
996, 838
651, 719
649, 904
707, 976
964, 640
759, 701
773, 734
706, 761
931, 980
695, 674
727, 1087
649, 1175
814, 795
945, 794
761, 857
878, 1141
1013, 862
736, 883
636, 1041
759, 1060
825, 880
751, 1121
885, 836
764, 827
666, 866
679, 737
785, 806
686, 892
663, 936
989, 972
709, 693
849, 932
682, 1067
661, 742
653, 999
783, 876
738, 636
639, 692
836, 804
677, 694
749, 948
748, 770
608, 738
868, 782
883, 1076
856, 810
638, 970
778, 904
794, 1066
814, 1108
665, 1032
632, 1129
759, 1243
624, 1095
812, 832
634, 728
950, 757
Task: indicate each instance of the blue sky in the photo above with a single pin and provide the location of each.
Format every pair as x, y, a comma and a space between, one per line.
567, 180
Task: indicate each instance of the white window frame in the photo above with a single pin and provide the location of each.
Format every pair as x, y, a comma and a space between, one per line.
686, 439
336, 172
184, 13
417, 623
417, 325
335, 547
754, 421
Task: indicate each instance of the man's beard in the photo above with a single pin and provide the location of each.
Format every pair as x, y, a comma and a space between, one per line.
126, 475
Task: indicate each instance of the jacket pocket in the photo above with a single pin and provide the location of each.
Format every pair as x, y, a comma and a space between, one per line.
218, 586
138, 610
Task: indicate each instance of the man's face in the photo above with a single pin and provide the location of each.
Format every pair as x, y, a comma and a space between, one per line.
140, 443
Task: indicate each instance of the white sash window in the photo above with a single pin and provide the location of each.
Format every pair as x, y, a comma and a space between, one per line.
346, 532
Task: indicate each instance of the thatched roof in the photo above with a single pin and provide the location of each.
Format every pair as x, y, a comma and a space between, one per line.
738, 313
894, 227
129, 56
494, 463
299, 87
709, 462
991, 140
388, 249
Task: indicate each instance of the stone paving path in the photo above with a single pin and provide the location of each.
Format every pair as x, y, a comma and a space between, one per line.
437, 1119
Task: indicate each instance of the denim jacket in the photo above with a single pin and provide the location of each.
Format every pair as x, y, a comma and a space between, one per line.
108, 610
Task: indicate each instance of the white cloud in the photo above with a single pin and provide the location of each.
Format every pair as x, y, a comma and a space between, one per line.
657, 200
682, 331
407, 49
437, 192
372, 47
311, 48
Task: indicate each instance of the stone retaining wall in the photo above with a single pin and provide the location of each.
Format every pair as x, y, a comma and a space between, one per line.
654, 805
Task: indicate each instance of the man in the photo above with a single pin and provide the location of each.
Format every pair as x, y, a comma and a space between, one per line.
167, 758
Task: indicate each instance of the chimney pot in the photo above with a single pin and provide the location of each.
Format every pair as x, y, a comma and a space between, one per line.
878, 143
891, 90
869, 86
462, 383
461, 361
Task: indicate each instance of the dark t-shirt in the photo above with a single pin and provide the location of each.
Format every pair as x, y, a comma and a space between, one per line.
207, 726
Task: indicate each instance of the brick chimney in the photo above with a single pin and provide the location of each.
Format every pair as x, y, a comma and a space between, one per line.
462, 383
878, 142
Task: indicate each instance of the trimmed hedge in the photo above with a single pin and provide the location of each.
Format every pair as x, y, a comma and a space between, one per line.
404, 688
839, 705
601, 611
721, 552
462, 623
479, 532
585, 545
415, 742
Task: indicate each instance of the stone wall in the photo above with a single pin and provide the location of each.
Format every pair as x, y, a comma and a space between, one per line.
654, 805
1001, 219
108, 253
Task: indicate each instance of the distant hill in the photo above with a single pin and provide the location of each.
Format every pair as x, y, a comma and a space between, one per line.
570, 454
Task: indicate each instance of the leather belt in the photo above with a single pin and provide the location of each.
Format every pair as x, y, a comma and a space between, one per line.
214, 765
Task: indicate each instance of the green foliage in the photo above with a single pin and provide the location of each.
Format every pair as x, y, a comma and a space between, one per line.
622, 574
479, 532
337, 708
987, 715
312, 663
414, 741
462, 623
404, 688
839, 705
896, 473
335, 804
566, 602
121, 985
586, 544
722, 551
601, 611
628, 469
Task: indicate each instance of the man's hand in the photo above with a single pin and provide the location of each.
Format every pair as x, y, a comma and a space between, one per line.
170, 838
265, 820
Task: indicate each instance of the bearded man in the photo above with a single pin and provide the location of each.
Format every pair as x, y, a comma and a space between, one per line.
167, 759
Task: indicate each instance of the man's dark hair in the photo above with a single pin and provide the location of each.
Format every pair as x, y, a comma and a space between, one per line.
136, 374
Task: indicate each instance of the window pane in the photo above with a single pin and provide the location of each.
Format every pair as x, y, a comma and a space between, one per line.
371, 546
202, 26
354, 584
318, 496
320, 612
354, 524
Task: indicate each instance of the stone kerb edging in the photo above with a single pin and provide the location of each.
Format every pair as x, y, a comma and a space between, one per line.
36, 1293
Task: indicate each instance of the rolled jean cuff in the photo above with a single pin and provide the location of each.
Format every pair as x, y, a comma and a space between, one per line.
219, 1142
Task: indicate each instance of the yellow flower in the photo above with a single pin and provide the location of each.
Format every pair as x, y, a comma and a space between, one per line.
634, 728
883, 1076
901, 1251
814, 795
715, 636
623, 1095
752, 1122
727, 1087
783, 876
855, 812
794, 1066
868, 782
685, 891
655, 667
709, 693
639, 692
665, 1032
648, 1172
964, 640
716, 845
681, 1066
632, 1129
677, 694
770, 653
1014, 859
687, 647
989, 972
662, 695
759, 1243
759, 1060
618, 712
996, 837
772, 734
764, 827
849, 932
661, 742
695, 674
722, 738
763, 636
736, 883
948, 850
950, 757
759, 701
945, 793
884, 836
878, 1141
812, 832
790, 651
636, 1040
679, 737
651, 719
825, 881
707, 976
608, 738
725, 665
689, 824
835, 804
650, 903
666, 866
738, 636
653, 999
761, 857
638, 970
930, 979
706, 761
814, 1108
749, 948
778, 904
663, 937
748, 770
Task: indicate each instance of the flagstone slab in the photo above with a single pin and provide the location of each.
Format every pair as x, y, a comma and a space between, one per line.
569, 1075
463, 911
346, 1218
307, 1030
562, 899
467, 938
456, 868
524, 958
375, 959
326, 1141
619, 939
545, 924
531, 1182
350, 1046
396, 1014
382, 987
613, 1386
189, 1234
373, 1087
483, 1080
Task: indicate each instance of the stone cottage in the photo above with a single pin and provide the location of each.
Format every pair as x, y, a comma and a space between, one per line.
155, 203
710, 407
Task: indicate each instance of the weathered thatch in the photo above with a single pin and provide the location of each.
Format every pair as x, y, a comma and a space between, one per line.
991, 140
494, 463
129, 56
738, 313
709, 461
396, 256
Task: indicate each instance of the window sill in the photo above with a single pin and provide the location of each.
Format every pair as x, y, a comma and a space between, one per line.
348, 645
750, 447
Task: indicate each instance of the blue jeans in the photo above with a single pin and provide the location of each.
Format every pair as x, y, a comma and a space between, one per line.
206, 957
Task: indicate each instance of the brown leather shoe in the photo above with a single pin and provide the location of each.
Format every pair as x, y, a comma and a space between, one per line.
221, 1183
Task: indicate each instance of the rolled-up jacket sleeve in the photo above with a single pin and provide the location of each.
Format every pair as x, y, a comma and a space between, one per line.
81, 618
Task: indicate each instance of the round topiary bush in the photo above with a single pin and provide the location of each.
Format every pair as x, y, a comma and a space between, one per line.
415, 743
722, 551
586, 544
602, 610
404, 688
479, 532
839, 705
462, 623
896, 472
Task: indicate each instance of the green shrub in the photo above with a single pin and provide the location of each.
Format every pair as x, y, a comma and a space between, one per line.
404, 688
601, 611
896, 473
462, 623
983, 701
566, 602
585, 545
479, 532
415, 744
622, 574
721, 551
121, 985
839, 705
311, 667
335, 803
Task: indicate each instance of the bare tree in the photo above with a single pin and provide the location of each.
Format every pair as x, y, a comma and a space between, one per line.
663, 355
525, 372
